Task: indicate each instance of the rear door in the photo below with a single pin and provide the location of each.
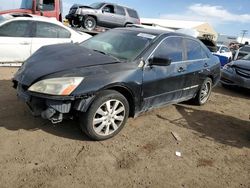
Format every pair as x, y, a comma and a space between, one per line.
45, 33
164, 84
15, 41
119, 16
196, 61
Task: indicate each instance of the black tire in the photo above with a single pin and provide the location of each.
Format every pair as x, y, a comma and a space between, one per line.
99, 130
89, 23
202, 98
74, 23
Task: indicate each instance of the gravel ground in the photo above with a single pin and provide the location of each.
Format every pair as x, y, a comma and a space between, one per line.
215, 146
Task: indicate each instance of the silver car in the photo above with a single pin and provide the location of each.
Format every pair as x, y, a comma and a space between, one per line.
102, 14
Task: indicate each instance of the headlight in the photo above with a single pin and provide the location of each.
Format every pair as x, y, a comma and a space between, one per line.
57, 86
228, 67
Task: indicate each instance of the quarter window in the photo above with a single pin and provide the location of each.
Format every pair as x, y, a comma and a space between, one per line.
48, 30
171, 48
194, 50
15, 29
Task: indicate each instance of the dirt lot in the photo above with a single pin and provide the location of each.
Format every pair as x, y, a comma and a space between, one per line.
215, 147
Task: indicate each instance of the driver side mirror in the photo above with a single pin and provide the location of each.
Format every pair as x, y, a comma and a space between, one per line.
159, 61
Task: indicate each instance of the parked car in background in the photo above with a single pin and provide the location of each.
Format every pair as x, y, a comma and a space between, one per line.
102, 14
223, 50
23, 34
237, 73
242, 52
115, 75
48, 8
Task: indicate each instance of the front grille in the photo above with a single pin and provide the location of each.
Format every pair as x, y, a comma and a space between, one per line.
226, 80
243, 72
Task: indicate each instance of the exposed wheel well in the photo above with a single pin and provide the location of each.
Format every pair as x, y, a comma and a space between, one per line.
128, 95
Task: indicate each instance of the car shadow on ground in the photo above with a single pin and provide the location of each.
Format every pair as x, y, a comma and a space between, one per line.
221, 128
233, 91
15, 115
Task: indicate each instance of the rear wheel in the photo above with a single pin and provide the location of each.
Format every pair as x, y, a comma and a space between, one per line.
106, 116
89, 23
204, 92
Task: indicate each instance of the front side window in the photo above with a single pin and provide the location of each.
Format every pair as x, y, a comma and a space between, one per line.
109, 9
15, 29
26, 4
48, 30
194, 50
171, 48
120, 44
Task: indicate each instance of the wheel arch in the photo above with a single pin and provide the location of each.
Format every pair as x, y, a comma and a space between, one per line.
127, 93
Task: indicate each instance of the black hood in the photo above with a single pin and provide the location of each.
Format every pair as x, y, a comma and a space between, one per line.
56, 58
243, 64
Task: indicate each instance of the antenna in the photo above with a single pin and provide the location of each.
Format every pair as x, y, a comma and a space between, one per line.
244, 32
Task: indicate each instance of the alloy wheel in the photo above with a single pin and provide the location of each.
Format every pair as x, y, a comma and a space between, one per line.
108, 117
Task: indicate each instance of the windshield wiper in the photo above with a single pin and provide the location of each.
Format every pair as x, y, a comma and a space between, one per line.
108, 54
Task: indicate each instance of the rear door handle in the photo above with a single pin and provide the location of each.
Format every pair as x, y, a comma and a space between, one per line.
181, 69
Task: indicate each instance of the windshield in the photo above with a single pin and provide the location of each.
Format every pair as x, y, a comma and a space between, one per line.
247, 57
123, 45
3, 18
96, 5
26, 4
245, 49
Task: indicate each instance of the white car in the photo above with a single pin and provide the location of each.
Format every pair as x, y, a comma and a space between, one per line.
223, 50
23, 34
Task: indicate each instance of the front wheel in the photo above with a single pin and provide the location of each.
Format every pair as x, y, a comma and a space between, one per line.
89, 23
204, 92
106, 116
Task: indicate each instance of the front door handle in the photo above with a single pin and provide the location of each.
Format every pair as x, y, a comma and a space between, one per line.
205, 65
24, 43
181, 69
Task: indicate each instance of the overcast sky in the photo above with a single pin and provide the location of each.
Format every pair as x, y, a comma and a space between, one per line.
227, 16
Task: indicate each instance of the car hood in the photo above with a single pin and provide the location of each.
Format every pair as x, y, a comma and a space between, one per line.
56, 58
243, 64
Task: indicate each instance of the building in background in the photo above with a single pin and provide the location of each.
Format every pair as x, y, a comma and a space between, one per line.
204, 29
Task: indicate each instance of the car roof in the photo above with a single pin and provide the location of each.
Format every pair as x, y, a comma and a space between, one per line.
24, 16
152, 31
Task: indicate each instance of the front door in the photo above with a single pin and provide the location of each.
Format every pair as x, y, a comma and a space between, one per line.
15, 41
107, 19
164, 84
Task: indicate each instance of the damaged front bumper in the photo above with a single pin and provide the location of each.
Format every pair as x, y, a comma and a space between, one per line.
53, 108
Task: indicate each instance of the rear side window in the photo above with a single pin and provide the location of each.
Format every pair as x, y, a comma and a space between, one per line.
48, 30
15, 29
132, 13
171, 48
194, 50
120, 10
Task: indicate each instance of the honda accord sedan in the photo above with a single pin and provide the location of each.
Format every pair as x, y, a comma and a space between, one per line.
115, 75
237, 73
